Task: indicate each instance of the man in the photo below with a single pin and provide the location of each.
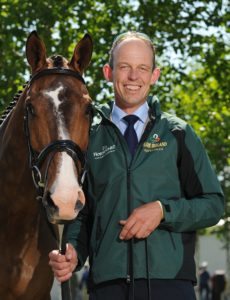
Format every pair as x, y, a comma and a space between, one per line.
145, 201
204, 282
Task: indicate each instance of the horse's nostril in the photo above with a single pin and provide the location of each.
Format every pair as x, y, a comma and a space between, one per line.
49, 201
78, 206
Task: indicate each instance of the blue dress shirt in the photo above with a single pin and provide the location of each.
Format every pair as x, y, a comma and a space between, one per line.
118, 114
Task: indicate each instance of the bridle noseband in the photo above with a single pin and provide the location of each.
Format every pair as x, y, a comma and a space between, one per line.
36, 160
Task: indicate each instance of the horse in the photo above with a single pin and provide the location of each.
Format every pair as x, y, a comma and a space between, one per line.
43, 142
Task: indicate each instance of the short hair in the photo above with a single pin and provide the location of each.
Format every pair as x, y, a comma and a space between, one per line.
129, 35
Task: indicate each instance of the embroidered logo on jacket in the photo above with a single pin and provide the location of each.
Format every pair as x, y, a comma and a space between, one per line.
154, 143
105, 151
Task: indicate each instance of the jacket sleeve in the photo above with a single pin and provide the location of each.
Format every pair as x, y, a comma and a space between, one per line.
202, 202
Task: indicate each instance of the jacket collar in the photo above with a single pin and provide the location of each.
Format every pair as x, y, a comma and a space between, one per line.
154, 108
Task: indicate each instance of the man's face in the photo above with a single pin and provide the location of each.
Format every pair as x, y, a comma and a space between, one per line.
132, 73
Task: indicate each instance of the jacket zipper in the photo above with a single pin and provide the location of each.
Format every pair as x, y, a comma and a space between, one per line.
149, 126
129, 276
129, 251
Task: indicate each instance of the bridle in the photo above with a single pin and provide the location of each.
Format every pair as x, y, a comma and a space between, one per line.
36, 160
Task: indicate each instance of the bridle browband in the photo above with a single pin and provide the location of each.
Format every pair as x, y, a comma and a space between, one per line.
57, 70
36, 160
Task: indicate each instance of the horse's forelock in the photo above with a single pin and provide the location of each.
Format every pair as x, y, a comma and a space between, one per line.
58, 61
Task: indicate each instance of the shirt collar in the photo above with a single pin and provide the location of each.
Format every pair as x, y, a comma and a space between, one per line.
142, 113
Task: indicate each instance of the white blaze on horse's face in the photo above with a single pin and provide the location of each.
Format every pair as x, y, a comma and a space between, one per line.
65, 190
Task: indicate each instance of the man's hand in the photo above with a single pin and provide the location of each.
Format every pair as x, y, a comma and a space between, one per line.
63, 265
142, 221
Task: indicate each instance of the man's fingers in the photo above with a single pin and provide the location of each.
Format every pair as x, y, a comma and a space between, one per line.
127, 225
143, 233
129, 230
142, 221
55, 256
63, 272
59, 265
63, 277
63, 265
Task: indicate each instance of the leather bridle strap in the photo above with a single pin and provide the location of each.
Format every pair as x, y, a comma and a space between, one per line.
67, 146
52, 71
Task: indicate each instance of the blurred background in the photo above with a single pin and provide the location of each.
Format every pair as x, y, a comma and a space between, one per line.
192, 39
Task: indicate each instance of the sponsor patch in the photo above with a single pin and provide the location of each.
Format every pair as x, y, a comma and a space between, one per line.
154, 143
104, 152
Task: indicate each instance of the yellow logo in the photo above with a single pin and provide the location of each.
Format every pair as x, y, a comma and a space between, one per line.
154, 143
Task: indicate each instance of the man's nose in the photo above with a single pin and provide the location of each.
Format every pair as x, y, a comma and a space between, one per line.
133, 74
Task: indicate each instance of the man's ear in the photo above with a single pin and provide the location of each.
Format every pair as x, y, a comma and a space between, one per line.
155, 75
108, 72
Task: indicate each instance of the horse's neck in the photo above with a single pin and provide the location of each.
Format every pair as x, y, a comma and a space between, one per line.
18, 207
12, 137
15, 173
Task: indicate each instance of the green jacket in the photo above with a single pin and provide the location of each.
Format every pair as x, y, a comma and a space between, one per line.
169, 165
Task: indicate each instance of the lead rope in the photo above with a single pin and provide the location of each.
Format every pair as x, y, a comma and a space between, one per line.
147, 268
132, 282
65, 286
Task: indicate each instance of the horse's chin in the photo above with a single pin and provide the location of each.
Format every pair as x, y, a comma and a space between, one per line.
54, 218
58, 221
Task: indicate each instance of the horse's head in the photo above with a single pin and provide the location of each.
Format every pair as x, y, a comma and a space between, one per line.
57, 121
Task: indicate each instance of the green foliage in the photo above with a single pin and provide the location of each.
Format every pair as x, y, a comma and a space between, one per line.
192, 52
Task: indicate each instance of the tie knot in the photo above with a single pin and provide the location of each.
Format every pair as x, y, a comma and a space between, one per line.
131, 119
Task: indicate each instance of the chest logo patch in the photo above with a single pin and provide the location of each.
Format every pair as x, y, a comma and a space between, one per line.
154, 143
104, 151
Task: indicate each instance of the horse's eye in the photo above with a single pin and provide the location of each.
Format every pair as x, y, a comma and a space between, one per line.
30, 109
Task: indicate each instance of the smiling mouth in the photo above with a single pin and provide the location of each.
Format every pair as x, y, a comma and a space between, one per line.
132, 88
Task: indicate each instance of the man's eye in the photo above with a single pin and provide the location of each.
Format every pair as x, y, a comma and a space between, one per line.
124, 67
145, 69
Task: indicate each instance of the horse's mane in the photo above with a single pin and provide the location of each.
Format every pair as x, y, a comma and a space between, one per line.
11, 105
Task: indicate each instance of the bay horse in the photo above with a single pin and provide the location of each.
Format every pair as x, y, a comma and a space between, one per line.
43, 140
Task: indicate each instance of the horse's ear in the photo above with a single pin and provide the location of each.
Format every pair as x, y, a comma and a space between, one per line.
82, 54
35, 52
